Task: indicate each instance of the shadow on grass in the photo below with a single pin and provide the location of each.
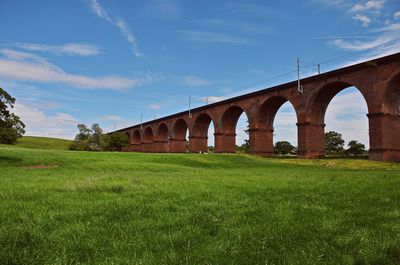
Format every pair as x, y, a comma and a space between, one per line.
9, 159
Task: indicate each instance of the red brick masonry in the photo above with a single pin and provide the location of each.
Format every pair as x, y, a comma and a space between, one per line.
377, 80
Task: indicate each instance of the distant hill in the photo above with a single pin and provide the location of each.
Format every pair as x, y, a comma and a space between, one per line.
34, 142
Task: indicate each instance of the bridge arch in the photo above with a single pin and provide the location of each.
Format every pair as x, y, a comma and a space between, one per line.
128, 133
262, 135
162, 132
225, 135
136, 137
312, 130
198, 139
178, 136
160, 143
324, 95
147, 140
391, 100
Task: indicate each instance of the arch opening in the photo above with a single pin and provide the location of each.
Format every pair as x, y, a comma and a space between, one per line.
198, 140
148, 135
162, 132
340, 113
178, 141
231, 134
392, 96
129, 137
279, 117
136, 137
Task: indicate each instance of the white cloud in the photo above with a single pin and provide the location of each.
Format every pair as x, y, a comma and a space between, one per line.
29, 67
194, 81
99, 10
68, 49
212, 99
361, 46
38, 123
363, 19
233, 26
120, 23
163, 9
129, 36
155, 106
111, 118
396, 15
369, 5
346, 114
212, 37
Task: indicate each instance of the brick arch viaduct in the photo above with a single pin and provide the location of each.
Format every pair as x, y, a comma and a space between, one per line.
377, 80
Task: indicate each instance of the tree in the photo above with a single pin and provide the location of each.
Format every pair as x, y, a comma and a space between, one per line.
246, 145
334, 143
355, 148
84, 133
284, 148
11, 126
114, 141
93, 139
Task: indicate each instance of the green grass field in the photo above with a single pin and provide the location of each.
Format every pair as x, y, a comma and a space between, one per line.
47, 143
63, 207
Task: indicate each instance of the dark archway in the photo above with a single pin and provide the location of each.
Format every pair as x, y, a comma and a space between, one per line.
129, 137
161, 140
147, 140
178, 141
136, 139
162, 133
392, 96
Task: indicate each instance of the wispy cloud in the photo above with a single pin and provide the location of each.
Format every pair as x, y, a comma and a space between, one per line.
396, 15
120, 23
363, 19
129, 36
363, 45
155, 106
194, 81
212, 37
212, 99
66, 49
111, 118
162, 9
99, 10
30, 67
234, 25
369, 5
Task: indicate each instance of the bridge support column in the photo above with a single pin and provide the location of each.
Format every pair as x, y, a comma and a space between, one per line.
311, 140
147, 147
225, 143
384, 135
177, 145
261, 142
198, 144
160, 147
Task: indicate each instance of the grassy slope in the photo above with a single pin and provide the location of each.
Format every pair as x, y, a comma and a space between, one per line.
43, 143
125, 208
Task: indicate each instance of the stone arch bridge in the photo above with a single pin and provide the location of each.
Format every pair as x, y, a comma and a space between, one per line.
378, 81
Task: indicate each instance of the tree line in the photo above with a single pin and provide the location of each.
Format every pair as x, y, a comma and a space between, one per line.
93, 139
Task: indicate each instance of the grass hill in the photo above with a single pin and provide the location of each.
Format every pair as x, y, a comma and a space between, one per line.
34, 142
64, 207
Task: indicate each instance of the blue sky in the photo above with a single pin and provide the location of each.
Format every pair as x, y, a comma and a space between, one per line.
87, 61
